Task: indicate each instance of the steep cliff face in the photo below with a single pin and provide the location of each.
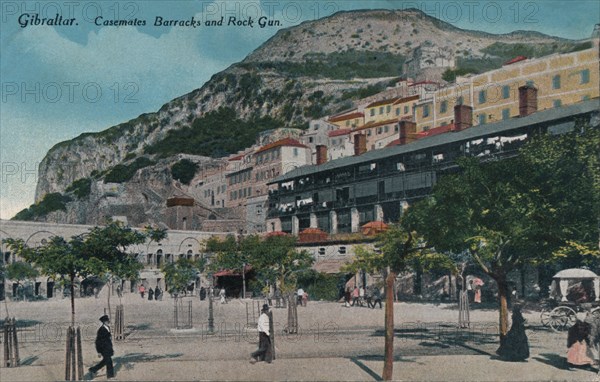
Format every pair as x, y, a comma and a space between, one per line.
301, 73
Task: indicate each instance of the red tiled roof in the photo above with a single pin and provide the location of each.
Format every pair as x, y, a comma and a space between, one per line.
375, 224
237, 157
280, 143
406, 99
313, 230
337, 133
346, 116
395, 142
312, 235
436, 131
516, 59
375, 124
372, 228
276, 233
382, 102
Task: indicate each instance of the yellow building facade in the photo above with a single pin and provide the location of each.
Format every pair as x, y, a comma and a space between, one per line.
561, 79
350, 120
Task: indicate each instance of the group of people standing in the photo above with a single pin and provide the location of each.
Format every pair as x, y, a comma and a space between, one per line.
358, 296
301, 297
153, 294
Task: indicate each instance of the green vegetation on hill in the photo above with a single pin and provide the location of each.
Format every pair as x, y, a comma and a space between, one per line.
339, 65
81, 188
184, 171
216, 134
498, 53
507, 51
363, 92
51, 202
124, 172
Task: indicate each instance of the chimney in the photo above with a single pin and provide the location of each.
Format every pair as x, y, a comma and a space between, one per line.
321, 154
463, 117
407, 131
360, 144
527, 100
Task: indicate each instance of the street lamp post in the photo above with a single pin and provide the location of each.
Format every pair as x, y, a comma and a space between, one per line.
211, 321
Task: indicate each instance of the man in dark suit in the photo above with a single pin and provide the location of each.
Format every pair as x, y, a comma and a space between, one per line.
104, 348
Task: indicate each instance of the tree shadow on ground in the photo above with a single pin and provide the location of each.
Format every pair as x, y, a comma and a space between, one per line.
142, 326
446, 336
29, 360
374, 357
128, 360
22, 323
484, 306
130, 329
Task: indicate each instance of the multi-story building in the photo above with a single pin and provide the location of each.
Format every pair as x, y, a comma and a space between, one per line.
209, 187
247, 185
153, 255
559, 79
341, 195
339, 145
317, 134
348, 120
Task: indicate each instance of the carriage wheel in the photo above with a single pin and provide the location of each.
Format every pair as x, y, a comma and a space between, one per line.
545, 317
562, 318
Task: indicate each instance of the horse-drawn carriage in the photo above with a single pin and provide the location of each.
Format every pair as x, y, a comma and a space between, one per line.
572, 291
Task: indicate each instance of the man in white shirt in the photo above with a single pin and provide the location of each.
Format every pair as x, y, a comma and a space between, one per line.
299, 295
264, 341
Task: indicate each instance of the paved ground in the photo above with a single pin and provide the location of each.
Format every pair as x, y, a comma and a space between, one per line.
334, 343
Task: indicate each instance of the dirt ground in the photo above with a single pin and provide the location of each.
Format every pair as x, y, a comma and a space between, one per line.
333, 343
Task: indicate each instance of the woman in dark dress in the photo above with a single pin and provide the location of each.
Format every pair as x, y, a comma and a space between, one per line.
515, 346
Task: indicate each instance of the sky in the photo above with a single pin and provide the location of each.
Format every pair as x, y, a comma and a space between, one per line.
59, 81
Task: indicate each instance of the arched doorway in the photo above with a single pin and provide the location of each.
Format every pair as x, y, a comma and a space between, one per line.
159, 257
91, 285
50, 288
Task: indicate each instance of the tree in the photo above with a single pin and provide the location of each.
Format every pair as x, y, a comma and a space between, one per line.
99, 252
536, 208
566, 172
278, 260
20, 271
179, 274
184, 171
274, 258
396, 250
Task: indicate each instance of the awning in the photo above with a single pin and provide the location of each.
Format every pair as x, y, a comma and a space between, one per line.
229, 272
575, 273
226, 272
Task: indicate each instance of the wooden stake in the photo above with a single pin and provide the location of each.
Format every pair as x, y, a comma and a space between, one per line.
6, 347
68, 356
79, 356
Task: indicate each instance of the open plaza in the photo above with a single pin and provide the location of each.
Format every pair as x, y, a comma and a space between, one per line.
333, 343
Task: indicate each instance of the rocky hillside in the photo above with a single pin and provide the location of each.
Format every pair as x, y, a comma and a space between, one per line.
301, 73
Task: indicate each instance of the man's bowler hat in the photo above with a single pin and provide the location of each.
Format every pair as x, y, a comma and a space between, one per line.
104, 318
